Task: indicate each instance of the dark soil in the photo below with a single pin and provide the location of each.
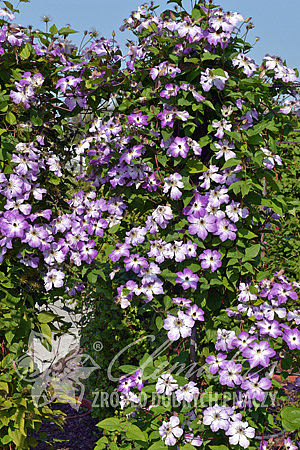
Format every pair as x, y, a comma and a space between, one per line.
79, 433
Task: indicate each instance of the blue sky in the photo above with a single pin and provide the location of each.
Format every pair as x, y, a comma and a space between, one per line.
276, 21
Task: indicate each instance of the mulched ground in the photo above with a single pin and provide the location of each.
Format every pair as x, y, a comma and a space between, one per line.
80, 431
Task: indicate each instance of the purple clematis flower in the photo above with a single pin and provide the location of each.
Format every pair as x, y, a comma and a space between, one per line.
171, 90
239, 433
54, 278
216, 417
197, 206
78, 98
230, 374
138, 119
225, 149
180, 301
225, 230
174, 183
131, 154
195, 313
162, 215
13, 224
166, 384
187, 279
87, 251
221, 126
210, 79
270, 328
187, 392
180, 325
71, 81
292, 338
135, 262
283, 292
170, 431
202, 226
35, 236
210, 259
216, 362
225, 339
125, 383
243, 340
244, 62
259, 353
14, 187
179, 147
211, 175
135, 236
166, 117
255, 387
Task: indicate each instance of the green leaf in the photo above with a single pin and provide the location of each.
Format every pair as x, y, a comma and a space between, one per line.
261, 275
46, 330
59, 130
235, 135
209, 56
178, 2
196, 13
11, 118
3, 108
255, 140
159, 445
218, 447
9, 335
25, 52
126, 368
183, 102
208, 103
195, 166
247, 234
204, 140
168, 302
92, 277
290, 418
6, 439
274, 204
169, 276
65, 31
231, 163
19, 419
162, 159
247, 267
219, 72
4, 386
45, 317
110, 424
135, 433
8, 5
53, 29
166, 134
113, 229
54, 180
188, 198
36, 120
159, 322
287, 362
194, 267
17, 437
